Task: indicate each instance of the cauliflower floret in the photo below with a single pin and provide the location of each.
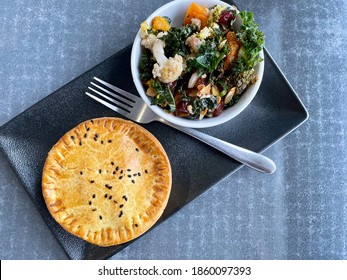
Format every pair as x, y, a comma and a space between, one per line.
170, 70
196, 22
158, 51
194, 43
161, 34
166, 69
148, 41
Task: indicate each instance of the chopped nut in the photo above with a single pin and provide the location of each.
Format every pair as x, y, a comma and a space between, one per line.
190, 109
230, 95
203, 113
204, 89
151, 92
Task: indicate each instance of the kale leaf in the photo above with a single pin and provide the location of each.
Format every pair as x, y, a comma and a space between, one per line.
146, 65
175, 40
199, 104
209, 57
164, 97
252, 40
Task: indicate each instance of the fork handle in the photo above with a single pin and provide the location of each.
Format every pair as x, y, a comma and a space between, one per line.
249, 158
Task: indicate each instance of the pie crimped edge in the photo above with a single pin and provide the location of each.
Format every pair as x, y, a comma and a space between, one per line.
107, 181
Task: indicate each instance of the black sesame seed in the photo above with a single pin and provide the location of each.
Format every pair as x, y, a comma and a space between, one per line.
94, 209
137, 150
121, 172
146, 171
95, 139
81, 172
115, 201
114, 172
94, 195
100, 171
120, 214
133, 181
92, 181
135, 174
110, 197
102, 141
125, 197
80, 143
120, 177
85, 135
109, 141
100, 217
96, 135
129, 176
117, 168
128, 169
105, 195
91, 121
90, 203
72, 137
139, 173
88, 128
136, 225
121, 206
112, 163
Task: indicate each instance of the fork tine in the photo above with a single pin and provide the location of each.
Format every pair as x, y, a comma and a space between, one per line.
119, 97
113, 100
127, 95
118, 109
109, 105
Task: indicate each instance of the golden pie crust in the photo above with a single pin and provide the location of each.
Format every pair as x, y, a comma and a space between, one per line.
107, 181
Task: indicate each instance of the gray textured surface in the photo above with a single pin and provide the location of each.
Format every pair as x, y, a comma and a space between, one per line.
300, 212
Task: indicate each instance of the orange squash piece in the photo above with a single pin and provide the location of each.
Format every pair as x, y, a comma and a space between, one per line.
160, 23
196, 11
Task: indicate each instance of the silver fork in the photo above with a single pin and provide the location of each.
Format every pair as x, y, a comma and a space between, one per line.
135, 109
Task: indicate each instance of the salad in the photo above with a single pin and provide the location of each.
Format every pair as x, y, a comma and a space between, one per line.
203, 67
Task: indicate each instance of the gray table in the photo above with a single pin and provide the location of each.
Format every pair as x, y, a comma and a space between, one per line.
300, 212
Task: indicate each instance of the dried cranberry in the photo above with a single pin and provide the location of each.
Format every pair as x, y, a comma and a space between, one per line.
218, 109
226, 17
201, 81
181, 107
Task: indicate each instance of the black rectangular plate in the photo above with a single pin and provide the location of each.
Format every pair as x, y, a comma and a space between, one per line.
26, 140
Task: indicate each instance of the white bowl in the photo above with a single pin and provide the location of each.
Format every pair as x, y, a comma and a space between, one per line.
176, 11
